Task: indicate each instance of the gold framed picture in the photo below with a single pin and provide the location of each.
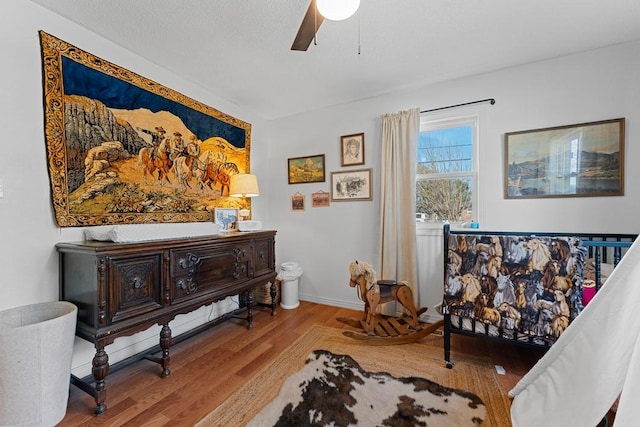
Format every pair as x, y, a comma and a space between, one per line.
320, 199
297, 202
303, 170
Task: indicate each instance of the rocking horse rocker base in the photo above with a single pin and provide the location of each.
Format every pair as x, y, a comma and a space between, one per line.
390, 330
379, 329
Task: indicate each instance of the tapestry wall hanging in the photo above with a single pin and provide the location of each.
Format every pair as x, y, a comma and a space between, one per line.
124, 149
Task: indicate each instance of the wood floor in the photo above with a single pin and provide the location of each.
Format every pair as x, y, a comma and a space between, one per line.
204, 371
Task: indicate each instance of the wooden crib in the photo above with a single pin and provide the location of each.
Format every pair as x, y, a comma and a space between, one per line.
524, 288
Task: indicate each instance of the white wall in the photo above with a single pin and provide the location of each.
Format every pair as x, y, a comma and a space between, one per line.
591, 86
28, 231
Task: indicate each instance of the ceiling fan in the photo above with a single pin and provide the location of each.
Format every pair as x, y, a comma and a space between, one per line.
317, 12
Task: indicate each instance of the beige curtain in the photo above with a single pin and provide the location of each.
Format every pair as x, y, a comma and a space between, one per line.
400, 132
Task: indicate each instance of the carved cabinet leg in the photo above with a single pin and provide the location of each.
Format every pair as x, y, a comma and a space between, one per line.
165, 344
249, 301
274, 294
100, 370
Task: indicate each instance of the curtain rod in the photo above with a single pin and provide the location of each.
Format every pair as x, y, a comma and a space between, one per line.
490, 100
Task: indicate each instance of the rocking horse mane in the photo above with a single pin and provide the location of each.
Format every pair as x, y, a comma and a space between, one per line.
359, 268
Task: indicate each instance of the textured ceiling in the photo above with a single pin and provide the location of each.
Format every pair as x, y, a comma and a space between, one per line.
240, 49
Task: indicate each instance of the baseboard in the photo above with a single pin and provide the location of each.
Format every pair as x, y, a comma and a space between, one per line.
427, 317
430, 318
331, 302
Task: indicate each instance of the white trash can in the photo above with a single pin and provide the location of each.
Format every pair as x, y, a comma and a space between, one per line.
289, 274
36, 346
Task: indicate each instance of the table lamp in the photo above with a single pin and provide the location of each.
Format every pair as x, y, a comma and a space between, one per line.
245, 185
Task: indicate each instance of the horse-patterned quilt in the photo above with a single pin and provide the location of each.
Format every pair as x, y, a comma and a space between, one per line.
527, 288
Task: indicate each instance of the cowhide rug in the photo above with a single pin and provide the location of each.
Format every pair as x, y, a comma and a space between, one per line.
332, 389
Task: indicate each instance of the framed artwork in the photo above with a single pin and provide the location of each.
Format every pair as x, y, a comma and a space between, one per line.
303, 170
351, 185
118, 145
352, 149
578, 160
320, 199
297, 202
226, 218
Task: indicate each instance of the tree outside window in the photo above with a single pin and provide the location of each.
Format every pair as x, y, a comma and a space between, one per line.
445, 173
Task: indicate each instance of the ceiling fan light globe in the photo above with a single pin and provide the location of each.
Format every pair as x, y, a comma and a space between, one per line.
337, 10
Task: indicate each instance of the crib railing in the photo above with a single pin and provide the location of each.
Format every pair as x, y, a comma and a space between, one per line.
606, 249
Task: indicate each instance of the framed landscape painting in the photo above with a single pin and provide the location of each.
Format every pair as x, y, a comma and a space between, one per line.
303, 170
124, 149
578, 160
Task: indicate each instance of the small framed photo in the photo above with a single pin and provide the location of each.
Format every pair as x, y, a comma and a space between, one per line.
351, 185
320, 199
226, 218
297, 202
352, 149
307, 169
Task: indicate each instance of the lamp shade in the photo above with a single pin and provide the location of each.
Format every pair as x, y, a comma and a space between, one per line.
337, 10
244, 185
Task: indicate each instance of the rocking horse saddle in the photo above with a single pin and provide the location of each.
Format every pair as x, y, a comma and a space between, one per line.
386, 287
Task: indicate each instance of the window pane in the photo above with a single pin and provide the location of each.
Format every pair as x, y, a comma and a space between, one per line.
444, 200
445, 150
445, 170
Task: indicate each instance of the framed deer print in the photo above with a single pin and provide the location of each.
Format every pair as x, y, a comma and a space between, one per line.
124, 149
226, 219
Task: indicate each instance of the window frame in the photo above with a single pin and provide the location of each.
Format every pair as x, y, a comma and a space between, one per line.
430, 121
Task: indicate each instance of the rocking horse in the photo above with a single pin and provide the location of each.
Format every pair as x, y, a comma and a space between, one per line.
378, 329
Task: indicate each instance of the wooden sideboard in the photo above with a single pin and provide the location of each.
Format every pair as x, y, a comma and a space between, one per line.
124, 288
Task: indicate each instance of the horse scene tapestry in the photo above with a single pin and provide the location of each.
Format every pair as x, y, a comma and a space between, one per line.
123, 149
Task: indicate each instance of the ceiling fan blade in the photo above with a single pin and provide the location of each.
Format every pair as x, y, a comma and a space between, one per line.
307, 31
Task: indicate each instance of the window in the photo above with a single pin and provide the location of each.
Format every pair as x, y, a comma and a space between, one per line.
446, 170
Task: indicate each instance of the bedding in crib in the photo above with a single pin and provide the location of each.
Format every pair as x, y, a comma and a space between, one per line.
525, 288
